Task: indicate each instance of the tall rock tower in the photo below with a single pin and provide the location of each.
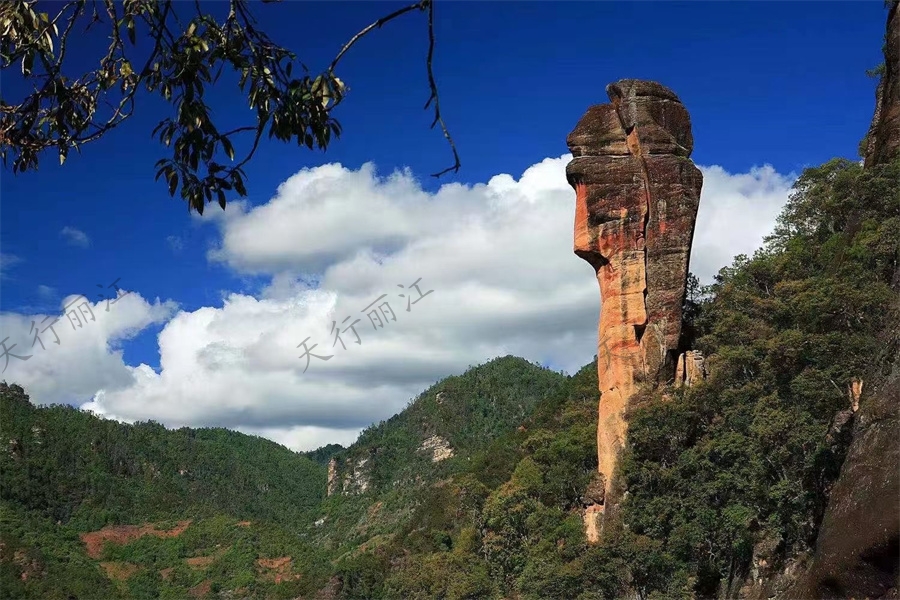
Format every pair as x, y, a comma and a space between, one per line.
637, 195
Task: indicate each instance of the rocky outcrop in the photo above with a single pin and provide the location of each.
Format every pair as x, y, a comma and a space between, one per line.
353, 477
883, 140
333, 482
691, 368
439, 447
358, 480
593, 502
637, 195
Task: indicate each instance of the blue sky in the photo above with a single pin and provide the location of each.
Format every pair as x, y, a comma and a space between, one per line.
781, 84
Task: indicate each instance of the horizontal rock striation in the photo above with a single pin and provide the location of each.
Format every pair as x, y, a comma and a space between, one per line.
637, 195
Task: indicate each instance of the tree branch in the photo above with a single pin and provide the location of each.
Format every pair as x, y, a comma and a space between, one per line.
420, 5
434, 95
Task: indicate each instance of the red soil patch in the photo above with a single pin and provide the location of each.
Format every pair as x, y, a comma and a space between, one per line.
166, 573
243, 524
200, 562
201, 589
277, 569
119, 571
123, 534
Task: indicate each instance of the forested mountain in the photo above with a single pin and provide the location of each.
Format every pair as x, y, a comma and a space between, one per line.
445, 426
90, 472
66, 473
93, 508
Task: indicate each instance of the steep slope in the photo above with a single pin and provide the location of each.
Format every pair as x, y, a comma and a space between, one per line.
728, 480
858, 547
445, 425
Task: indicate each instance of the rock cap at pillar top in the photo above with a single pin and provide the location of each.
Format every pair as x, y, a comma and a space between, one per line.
662, 121
640, 87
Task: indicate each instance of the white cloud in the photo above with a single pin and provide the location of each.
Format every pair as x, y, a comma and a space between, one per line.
736, 211
175, 243
75, 237
498, 257
76, 351
45, 291
7, 261
305, 438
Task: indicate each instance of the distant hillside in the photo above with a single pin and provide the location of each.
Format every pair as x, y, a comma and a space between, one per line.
76, 468
444, 426
92, 508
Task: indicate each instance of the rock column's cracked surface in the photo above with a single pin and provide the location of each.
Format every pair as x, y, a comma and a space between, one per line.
637, 195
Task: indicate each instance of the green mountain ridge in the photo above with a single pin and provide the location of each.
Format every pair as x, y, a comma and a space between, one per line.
67, 473
459, 415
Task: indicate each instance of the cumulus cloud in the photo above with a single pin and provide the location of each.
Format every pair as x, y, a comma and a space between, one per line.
494, 261
496, 257
737, 210
75, 237
68, 355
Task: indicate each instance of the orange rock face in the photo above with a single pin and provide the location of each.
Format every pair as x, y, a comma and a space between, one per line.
637, 195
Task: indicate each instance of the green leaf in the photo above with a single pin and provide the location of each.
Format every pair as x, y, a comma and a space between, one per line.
239, 186
229, 149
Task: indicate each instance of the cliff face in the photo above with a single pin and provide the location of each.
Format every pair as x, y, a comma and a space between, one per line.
859, 541
883, 139
637, 195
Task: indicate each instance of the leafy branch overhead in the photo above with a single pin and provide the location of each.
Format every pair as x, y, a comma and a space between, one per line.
155, 49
